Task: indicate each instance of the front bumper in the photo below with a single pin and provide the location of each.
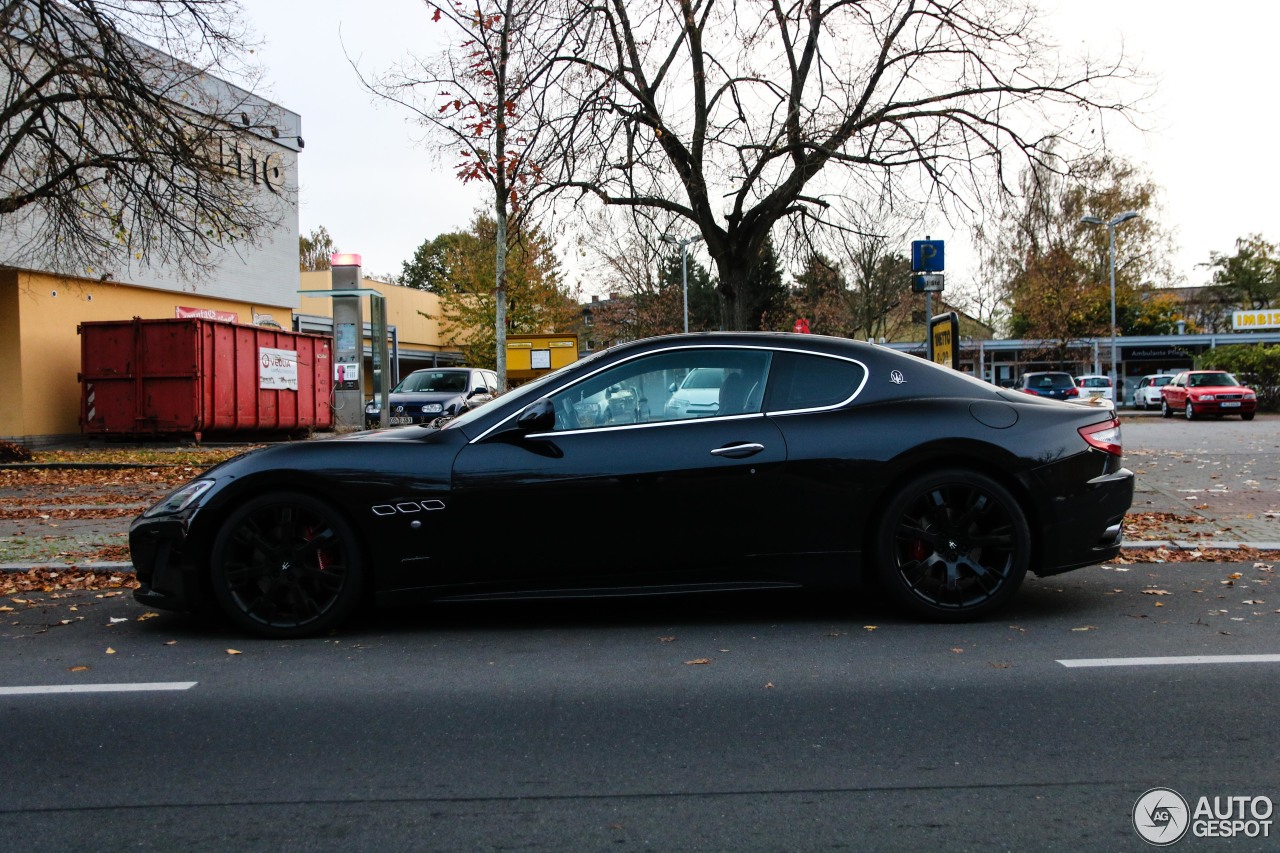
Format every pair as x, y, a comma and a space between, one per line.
167, 580
1225, 407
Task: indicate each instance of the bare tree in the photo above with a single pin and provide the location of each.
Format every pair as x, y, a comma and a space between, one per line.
486, 96
882, 300
117, 145
741, 116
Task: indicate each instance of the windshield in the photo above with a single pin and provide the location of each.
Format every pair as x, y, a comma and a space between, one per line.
434, 380
528, 392
704, 377
1049, 380
1201, 380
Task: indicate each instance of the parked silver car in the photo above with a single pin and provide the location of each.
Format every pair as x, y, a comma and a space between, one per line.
1147, 394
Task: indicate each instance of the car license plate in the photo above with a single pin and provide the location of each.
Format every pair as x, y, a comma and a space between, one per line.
1230, 405
400, 421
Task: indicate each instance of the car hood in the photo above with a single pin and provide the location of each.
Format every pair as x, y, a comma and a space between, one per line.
402, 397
1219, 389
698, 395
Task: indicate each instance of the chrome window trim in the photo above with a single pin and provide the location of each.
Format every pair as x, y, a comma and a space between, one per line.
866, 374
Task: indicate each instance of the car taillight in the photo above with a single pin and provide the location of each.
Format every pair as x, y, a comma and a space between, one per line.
1073, 392
1105, 436
1029, 391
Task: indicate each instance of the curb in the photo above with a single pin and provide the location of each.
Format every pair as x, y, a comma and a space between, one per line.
1200, 545
1138, 545
113, 566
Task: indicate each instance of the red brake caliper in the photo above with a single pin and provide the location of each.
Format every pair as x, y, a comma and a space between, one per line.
320, 553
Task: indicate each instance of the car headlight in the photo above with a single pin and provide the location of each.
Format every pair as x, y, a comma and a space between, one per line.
677, 405
1203, 398
432, 408
181, 498
1250, 395
371, 409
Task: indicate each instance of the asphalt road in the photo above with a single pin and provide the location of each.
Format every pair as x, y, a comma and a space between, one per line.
760, 722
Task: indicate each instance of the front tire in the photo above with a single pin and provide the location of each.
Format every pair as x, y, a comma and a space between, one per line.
953, 545
1247, 416
1165, 411
286, 565
1191, 413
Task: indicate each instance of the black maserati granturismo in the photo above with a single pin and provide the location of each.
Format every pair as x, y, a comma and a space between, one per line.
820, 462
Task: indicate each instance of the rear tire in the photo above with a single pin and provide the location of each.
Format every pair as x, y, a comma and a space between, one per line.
953, 545
286, 565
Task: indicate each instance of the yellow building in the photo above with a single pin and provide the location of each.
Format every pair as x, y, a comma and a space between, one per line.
40, 347
413, 319
39, 344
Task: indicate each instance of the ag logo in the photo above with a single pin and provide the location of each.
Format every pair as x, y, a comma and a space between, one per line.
1161, 816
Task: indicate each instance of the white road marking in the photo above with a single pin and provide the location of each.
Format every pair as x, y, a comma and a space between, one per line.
97, 688
1171, 661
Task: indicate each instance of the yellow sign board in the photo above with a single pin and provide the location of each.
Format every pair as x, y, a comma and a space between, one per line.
944, 340
530, 356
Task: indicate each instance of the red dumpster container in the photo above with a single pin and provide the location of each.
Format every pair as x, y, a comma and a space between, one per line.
194, 376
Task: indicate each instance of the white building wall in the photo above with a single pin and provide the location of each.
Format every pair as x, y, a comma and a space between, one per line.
267, 161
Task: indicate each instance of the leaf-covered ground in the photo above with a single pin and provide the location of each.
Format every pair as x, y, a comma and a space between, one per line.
74, 506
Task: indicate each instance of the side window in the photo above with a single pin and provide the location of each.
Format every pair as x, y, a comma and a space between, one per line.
669, 386
799, 381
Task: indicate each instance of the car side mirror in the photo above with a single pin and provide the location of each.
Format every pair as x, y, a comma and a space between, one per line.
538, 416
475, 392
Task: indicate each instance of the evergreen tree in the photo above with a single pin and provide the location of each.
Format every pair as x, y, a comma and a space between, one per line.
763, 296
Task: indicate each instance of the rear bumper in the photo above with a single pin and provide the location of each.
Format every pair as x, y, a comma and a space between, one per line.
1087, 528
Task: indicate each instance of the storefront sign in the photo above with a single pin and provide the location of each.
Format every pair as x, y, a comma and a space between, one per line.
182, 313
1264, 318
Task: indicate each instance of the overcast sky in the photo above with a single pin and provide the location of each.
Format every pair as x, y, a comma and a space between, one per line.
379, 193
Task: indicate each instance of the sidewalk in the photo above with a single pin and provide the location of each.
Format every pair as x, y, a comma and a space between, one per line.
1218, 480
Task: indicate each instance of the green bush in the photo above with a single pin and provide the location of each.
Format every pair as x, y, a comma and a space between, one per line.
1256, 365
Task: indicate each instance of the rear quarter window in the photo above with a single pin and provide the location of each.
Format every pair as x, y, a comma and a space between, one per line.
800, 381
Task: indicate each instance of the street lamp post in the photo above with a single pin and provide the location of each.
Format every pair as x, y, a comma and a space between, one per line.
1111, 254
684, 268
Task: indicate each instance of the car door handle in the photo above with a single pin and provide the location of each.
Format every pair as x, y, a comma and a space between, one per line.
738, 451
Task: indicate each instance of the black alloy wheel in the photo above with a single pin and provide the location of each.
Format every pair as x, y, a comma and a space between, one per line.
286, 565
954, 545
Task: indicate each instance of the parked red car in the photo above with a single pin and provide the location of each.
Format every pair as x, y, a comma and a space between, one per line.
1196, 393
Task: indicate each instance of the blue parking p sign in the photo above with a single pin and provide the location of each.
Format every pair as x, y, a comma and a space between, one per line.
926, 256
